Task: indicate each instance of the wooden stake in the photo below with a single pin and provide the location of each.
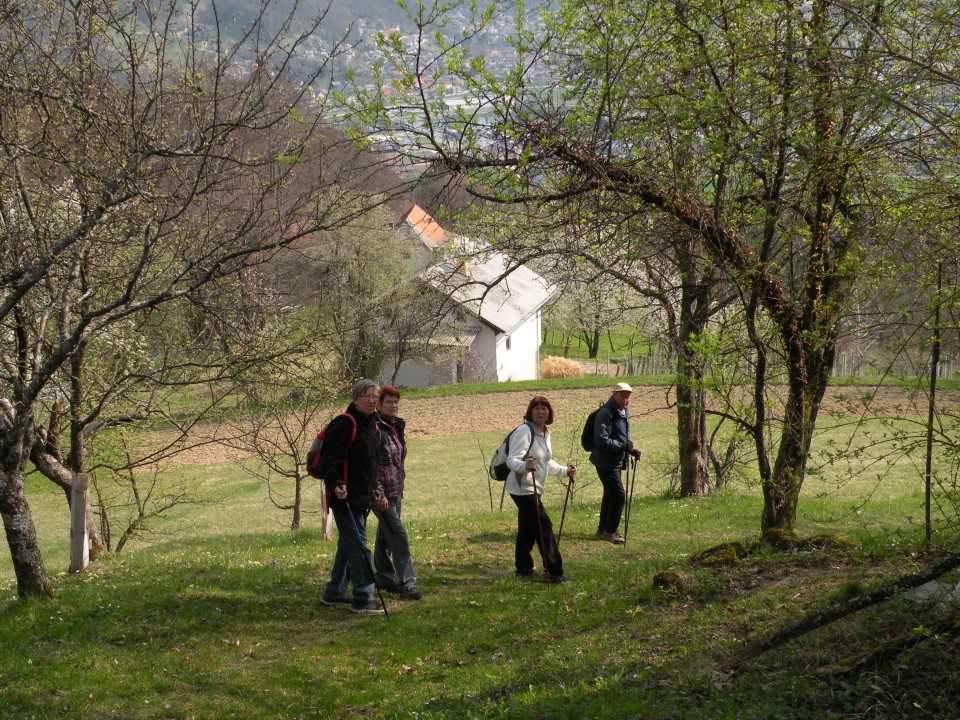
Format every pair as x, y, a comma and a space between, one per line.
79, 537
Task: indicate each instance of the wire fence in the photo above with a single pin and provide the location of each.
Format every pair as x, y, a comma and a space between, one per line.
659, 363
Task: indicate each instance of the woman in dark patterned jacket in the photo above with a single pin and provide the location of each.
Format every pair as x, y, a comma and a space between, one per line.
391, 551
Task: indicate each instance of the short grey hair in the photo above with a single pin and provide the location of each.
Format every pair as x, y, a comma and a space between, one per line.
360, 389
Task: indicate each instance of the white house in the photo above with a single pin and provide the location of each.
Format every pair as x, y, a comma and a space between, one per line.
494, 333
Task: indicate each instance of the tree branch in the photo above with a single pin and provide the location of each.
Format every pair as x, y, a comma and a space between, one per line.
836, 612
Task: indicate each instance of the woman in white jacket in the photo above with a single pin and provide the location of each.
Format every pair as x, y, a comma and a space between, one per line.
531, 461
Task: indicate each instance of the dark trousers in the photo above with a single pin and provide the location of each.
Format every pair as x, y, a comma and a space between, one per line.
351, 564
614, 498
391, 549
533, 530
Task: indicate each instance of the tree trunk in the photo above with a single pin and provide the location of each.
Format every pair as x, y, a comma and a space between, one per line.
78, 456
692, 435
18, 524
692, 439
297, 503
592, 339
782, 491
52, 468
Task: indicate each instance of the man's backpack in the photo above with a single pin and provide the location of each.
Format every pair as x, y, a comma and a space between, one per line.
316, 450
498, 469
589, 429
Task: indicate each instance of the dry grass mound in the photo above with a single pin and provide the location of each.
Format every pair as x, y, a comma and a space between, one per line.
552, 367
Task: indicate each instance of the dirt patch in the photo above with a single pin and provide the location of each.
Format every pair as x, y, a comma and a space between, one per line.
437, 417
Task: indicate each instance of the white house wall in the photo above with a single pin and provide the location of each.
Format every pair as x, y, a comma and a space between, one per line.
487, 360
417, 374
521, 360
482, 364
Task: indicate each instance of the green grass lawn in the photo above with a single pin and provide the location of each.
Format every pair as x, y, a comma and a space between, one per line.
218, 616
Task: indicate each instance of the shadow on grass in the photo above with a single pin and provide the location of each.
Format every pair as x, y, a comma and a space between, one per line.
233, 627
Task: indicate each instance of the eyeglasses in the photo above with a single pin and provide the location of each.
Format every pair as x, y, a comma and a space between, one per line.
375, 398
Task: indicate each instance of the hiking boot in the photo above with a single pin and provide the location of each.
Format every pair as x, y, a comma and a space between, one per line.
615, 538
372, 607
557, 579
330, 602
524, 575
410, 593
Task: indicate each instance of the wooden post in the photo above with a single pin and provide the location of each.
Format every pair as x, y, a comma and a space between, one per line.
326, 517
79, 539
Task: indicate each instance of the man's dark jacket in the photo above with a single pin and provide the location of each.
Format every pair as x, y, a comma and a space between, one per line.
611, 437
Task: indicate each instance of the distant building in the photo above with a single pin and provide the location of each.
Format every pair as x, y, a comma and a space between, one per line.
493, 328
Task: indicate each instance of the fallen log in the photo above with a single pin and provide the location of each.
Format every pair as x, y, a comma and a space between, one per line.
836, 612
948, 624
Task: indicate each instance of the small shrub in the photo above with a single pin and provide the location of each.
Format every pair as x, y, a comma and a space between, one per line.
784, 540
558, 367
725, 554
671, 581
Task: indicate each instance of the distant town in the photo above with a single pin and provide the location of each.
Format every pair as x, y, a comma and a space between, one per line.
359, 60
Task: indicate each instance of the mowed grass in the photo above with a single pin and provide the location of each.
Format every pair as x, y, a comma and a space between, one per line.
217, 616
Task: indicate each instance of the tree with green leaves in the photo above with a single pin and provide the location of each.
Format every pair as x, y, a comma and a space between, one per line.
773, 132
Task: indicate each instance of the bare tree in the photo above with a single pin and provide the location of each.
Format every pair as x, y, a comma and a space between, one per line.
141, 166
663, 263
284, 410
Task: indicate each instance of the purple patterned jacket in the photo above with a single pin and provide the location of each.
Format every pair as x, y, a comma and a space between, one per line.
393, 451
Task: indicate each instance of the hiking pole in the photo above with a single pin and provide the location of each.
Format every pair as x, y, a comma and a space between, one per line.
543, 544
629, 502
633, 483
574, 448
564, 513
356, 528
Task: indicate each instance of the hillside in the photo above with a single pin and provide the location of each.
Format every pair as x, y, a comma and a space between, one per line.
215, 613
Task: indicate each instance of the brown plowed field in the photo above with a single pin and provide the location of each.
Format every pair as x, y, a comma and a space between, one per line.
435, 417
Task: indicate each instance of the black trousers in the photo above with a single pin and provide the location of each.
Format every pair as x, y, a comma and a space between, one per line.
534, 528
614, 499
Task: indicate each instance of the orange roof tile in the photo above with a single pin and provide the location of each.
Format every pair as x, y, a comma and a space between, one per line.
429, 230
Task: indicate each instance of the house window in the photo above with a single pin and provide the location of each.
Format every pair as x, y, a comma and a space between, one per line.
508, 342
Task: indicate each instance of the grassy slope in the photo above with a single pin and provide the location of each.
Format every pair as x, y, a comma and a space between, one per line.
220, 618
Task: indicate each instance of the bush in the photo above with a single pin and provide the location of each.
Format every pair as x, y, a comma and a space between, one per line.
558, 367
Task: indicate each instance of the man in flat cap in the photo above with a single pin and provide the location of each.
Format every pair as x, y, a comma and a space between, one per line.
612, 449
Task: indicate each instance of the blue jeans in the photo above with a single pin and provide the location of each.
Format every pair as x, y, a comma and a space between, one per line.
614, 498
351, 564
391, 549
